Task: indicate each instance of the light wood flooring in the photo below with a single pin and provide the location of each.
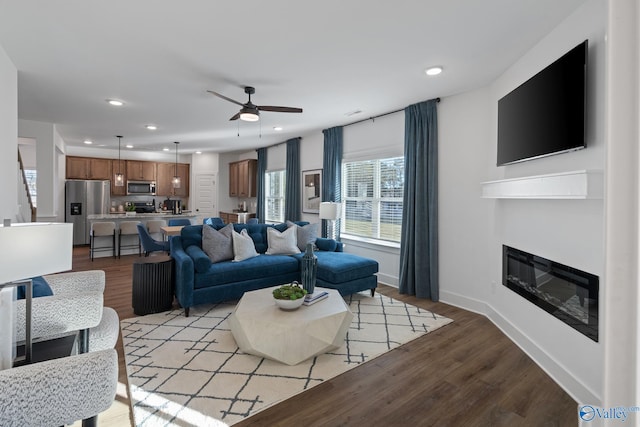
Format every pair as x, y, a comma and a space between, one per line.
465, 374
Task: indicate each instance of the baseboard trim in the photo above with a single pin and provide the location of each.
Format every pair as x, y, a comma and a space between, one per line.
577, 390
387, 279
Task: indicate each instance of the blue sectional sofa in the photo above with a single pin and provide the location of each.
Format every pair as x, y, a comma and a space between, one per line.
198, 281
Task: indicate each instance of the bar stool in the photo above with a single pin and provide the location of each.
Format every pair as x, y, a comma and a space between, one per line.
129, 228
153, 226
102, 229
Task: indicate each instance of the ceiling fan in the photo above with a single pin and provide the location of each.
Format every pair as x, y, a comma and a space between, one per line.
251, 112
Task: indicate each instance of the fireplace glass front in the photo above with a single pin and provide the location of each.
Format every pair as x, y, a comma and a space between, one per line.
567, 293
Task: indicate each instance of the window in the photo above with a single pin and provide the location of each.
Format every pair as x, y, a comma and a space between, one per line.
372, 195
274, 197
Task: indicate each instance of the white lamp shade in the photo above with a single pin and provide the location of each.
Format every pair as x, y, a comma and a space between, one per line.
330, 210
34, 249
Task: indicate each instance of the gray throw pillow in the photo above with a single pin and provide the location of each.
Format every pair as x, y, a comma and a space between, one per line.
243, 246
306, 234
217, 244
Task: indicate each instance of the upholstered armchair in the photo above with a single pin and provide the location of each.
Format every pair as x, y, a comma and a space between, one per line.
76, 305
60, 391
149, 244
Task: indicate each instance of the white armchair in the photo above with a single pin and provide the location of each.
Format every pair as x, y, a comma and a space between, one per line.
59, 391
76, 305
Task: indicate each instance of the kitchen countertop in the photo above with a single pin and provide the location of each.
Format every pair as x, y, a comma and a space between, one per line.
121, 215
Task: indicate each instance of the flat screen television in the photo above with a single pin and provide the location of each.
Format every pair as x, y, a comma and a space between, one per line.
546, 114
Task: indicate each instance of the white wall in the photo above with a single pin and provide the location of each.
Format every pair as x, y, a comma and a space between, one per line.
8, 136
567, 231
464, 123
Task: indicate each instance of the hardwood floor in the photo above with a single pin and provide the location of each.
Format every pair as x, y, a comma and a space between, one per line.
465, 374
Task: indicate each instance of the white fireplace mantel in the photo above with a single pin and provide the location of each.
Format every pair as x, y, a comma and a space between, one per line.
580, 184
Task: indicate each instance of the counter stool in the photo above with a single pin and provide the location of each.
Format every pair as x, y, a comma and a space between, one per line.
129, 228
102, 229
153, 226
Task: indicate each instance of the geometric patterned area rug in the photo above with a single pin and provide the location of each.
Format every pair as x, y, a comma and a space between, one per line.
189, 370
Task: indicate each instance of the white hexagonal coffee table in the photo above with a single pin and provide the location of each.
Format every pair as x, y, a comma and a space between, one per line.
261, 328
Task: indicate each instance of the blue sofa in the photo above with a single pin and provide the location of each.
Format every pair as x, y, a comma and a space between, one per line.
198, 281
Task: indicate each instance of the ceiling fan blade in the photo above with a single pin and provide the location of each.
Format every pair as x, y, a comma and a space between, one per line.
279, 109
235, 117
225, 98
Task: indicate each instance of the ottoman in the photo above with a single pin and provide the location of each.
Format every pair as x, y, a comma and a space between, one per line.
346, 273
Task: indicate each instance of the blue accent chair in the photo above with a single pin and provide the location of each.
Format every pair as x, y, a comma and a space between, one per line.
252, 221
149, 244
216, 220
179, 221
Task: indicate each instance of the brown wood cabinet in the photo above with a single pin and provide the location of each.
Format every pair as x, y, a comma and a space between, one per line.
232, 217
164, 185
139, 170
242, 178
87, 168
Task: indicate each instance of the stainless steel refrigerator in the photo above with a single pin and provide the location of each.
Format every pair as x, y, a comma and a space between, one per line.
84, 198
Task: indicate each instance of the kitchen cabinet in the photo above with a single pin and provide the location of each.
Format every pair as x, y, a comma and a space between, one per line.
166, 171
242, 178
141, 171
235, 217
233, 180
87, 168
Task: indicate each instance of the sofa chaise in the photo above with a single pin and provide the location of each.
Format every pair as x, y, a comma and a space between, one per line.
199, 281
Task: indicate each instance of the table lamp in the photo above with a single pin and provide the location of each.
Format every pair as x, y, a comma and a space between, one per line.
331, 212
28, 250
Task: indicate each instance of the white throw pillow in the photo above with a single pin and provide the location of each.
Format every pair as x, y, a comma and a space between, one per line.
285, 243
243, 247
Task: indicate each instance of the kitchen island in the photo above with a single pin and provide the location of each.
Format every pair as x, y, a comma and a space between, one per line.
118, 217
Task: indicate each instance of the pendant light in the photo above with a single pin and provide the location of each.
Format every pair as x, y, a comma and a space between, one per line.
119, 179
176, 179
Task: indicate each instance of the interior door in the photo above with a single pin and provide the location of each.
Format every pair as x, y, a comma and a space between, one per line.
206, 196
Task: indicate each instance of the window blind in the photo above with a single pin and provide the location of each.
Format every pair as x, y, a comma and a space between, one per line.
372, 195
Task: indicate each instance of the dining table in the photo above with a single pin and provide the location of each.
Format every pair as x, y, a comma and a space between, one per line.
171, 230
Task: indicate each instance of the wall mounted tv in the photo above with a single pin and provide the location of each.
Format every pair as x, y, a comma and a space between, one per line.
546, 114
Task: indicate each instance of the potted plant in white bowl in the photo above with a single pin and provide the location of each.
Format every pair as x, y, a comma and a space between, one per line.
289, 297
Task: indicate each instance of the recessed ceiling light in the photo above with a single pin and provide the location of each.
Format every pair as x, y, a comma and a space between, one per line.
129, 146
165, 149
198, 152
433, 71
277, 128
115, 102
151, 127
88, 142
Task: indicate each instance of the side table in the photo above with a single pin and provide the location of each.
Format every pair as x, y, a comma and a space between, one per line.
152, 285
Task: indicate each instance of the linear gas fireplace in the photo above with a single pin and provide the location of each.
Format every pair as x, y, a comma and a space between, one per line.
567, 293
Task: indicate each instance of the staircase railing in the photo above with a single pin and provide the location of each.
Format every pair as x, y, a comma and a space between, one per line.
27, 211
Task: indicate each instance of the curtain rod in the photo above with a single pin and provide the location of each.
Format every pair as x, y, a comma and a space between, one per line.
379, 115
279, 143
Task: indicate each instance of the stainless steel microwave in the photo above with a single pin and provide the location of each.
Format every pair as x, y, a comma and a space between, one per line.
141, 188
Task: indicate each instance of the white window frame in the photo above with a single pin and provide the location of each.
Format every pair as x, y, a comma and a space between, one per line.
280, 199
376, 201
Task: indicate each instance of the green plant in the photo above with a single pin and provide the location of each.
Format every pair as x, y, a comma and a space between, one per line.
131, 208
292, 292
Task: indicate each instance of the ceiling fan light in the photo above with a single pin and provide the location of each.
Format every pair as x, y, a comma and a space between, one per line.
249, 117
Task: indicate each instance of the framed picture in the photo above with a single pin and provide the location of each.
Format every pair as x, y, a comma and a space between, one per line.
311, 190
